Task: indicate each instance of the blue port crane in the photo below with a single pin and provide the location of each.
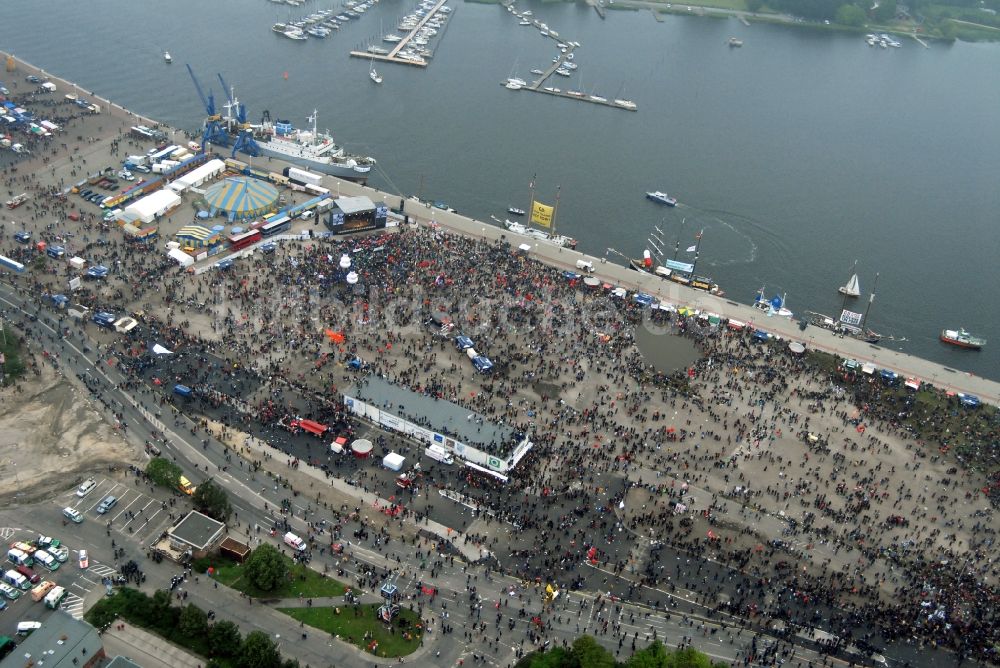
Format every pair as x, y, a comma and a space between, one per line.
236, 123
214, 133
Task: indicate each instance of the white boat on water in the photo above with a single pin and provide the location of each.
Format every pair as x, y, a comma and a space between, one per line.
166, 57
311, 149
852, 288
625, 104
563, 72
295, 33
537, 72
392, 38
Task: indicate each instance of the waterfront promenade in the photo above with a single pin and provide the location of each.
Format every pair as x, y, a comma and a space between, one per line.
813, 337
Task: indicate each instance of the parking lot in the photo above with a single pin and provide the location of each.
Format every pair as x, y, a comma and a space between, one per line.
136, 519
138, 513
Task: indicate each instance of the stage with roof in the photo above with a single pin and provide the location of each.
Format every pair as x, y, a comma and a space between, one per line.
241, 197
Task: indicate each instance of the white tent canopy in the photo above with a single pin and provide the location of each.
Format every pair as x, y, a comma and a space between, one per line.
199, 175
182, 258
151, 206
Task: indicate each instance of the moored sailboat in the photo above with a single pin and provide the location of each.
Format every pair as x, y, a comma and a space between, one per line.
852, 288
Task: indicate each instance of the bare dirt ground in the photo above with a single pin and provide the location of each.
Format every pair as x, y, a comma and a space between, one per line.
51, 438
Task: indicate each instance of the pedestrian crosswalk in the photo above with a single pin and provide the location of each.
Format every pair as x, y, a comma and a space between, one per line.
102, 570
73, 605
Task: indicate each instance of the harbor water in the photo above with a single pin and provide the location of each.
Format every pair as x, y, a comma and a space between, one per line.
796, 154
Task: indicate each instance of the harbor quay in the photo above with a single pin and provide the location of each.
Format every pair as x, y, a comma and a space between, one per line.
640, 484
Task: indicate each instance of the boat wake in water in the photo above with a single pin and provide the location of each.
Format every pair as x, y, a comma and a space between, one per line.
713, 222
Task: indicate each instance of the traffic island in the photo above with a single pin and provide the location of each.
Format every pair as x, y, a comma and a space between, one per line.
361, 626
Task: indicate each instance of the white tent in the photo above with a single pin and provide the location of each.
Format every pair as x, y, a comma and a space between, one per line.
154, 205
199, 175
393, 461
182, 258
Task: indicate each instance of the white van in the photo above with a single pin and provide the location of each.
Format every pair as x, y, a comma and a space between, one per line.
18, 557
85, 489
15, 579
438, 453
55, 597
585, 265
47, 560
73, 515
25, 628
295, 542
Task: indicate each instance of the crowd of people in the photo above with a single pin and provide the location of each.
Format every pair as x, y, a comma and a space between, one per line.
801, 490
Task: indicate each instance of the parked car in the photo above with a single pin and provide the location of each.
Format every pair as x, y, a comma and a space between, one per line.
107, 504
86, 488
84, 560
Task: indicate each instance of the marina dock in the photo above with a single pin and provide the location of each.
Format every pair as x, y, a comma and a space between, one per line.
537, 86
393, 55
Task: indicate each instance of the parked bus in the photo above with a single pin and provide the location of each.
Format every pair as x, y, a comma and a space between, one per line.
282, 224
240, 241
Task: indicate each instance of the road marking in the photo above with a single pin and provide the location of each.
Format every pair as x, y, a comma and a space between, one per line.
7, 532
73, 604
102, 570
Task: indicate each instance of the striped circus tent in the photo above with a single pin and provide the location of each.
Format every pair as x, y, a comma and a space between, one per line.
241, 197
197, 236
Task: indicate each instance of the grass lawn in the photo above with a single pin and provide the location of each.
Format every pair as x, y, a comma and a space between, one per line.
13, 365
401, 640
302, 581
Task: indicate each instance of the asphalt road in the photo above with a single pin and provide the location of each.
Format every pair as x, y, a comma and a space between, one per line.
255, 499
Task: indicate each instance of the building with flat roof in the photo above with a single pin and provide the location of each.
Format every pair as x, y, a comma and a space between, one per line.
61, 642
196, 533
469, 436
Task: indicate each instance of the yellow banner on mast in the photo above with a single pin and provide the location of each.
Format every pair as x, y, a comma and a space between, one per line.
541, 214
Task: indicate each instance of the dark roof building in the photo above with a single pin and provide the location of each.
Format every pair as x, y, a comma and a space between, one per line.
468, 435
61, 642
197, 532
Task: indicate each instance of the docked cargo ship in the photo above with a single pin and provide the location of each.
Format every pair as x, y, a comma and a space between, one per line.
311, 149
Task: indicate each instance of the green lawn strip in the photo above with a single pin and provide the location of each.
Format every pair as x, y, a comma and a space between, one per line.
302, 580
11, 349
361, 627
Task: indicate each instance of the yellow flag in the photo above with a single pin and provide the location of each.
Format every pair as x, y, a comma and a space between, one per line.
541, 214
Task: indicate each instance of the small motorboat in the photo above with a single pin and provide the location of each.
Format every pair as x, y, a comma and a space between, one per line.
657, 196
962, 339
167, 58
515, 211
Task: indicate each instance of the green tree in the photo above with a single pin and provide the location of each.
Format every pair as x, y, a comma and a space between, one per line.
266, 568
258, 651
164, 472
224, 638
193, 621
850, 15
652, 656
592, 655
212, 500
886, 11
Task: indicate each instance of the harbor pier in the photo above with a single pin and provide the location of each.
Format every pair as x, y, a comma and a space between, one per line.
537, 87
393, 55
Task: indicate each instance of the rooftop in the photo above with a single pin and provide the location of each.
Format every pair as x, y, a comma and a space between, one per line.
357, 204
197, 530
61, 642
437, 415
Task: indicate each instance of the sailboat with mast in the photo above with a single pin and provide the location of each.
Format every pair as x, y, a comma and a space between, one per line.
674, 270
372, 74
541, 215
852, 288
850, 323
